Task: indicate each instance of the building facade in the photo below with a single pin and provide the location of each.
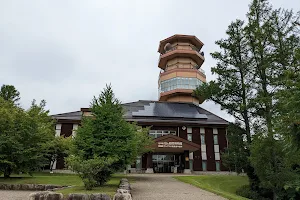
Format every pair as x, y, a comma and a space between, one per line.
187, 138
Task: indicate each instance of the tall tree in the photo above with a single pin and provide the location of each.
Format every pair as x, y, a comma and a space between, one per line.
24, 137
106, 138
270, 51
273, 38
236, 154
10, 93
233, 88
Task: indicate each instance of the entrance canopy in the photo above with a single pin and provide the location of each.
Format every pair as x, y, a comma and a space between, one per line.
171, 143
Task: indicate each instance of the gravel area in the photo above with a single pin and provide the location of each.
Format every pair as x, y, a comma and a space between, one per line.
14, 195
160, 186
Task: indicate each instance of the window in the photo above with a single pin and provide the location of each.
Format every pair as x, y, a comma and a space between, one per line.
189, 137
204, 166
217, 156
215, 139
202, 139
159, 133
218, 166
179, 83
138, 163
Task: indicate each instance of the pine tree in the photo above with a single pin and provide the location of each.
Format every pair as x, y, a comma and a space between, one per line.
107, 139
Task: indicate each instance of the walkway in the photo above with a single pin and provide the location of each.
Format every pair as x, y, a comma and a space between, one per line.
162, 186
14, 195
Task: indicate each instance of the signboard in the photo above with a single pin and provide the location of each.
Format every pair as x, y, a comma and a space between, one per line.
169, 144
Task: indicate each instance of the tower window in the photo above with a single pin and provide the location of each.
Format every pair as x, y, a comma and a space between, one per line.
179, 83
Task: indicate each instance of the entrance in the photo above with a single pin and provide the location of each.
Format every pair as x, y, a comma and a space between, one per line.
163, 163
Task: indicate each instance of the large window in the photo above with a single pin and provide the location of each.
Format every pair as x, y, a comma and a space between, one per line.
216, 139
159, 133
218, 166
204, 168
179, 83
202, 139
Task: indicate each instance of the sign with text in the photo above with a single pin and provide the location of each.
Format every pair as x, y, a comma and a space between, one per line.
169, 144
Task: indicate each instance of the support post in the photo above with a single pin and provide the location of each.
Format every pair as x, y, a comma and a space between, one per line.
187, 169
149, 169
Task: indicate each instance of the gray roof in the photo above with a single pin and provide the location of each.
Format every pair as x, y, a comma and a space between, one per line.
69, 116
159, 112
170, 112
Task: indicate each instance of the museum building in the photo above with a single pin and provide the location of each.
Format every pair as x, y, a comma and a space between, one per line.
187, 138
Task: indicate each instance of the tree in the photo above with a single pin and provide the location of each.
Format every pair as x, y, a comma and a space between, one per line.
24, 137
273, 40
269, 51
233, 88
56, 147
106, 136
9, 93
236, 155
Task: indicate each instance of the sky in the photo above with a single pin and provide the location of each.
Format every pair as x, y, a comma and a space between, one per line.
66, 51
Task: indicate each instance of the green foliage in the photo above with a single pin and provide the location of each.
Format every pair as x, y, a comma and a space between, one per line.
9, 93
24, 137
56, 147
88, 170
271, 160
232, 88
258, 83
107, 136
245, 191
235, 156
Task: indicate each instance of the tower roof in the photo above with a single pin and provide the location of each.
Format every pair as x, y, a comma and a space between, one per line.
191, 38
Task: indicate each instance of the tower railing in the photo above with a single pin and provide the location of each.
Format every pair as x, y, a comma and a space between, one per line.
177, 67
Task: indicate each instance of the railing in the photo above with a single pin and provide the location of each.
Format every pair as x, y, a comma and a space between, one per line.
172, 49
196, 67
176, 47
202, 71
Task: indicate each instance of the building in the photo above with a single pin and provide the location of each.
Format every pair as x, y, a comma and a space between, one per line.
187, 137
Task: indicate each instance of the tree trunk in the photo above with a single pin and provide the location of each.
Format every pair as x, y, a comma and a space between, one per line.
7, 172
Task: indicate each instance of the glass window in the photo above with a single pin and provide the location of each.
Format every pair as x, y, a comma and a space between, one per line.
215, 139
202, 139
204, 168
138, 163
179, 82
217, 165
189, 137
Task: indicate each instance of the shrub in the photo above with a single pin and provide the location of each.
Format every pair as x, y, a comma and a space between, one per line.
93, 172
245, 191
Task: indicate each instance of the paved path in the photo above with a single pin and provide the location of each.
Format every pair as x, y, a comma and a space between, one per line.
14, 195
164, 187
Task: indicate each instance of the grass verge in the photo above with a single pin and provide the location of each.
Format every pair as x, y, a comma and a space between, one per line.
223, 185
66, 179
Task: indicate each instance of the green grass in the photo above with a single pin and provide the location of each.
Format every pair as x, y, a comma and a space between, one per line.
223, 185
66, 179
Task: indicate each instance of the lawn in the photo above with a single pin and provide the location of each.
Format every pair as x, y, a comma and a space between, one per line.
65, 179
223, 185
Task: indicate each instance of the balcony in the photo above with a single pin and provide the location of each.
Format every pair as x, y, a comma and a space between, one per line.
178, 51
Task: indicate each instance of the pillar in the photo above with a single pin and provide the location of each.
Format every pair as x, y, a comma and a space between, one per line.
149, 169
187, 169
57, 134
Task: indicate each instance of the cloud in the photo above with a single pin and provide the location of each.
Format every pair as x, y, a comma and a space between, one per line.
66, 51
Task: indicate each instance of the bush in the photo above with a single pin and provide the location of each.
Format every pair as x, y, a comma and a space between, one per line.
245, 191
93, 172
